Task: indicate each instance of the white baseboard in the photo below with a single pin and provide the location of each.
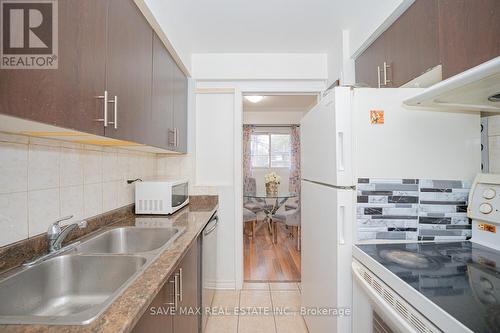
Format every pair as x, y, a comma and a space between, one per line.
229, 284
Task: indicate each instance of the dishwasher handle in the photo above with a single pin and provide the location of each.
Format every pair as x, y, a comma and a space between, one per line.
209, 229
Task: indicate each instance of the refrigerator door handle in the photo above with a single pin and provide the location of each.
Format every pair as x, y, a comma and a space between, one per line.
341, 157
341, 225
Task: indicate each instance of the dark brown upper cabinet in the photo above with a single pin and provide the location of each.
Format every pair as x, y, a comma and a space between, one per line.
458, 34
129, 68
180, 110
469, 32
66, 96
162, 127
115, 78
408, 48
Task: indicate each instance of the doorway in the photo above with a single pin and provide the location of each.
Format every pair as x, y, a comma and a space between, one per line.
271, 185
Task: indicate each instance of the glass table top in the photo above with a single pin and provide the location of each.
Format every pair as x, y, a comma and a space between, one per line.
264, 195
463, 278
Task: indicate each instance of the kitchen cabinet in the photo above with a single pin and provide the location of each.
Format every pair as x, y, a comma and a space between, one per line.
129, 71
469, 33
180, 110
189, 289
115, 79
408, 48
162, 110
182, 293
368, 71
157, 319
458, 34
65, 96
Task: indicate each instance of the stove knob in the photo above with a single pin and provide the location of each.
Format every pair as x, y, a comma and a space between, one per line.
489, 193
485, 208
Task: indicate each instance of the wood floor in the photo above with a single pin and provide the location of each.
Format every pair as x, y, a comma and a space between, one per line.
265, 261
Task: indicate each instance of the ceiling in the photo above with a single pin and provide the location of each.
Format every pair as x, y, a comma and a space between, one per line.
265, 26
281, 103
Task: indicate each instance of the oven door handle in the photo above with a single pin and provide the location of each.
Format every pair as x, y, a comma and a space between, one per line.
381, 304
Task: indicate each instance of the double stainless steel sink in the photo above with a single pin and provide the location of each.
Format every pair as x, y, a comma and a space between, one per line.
77, 286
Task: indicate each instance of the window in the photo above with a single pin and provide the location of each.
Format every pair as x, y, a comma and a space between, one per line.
270, 150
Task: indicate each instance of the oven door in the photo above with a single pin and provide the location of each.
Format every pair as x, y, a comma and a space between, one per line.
180, 195
377, 308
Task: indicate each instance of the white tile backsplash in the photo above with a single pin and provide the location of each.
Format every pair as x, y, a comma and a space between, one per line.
13, 217
43, 168
71, 167
110, 166
110, 195
72, 202
43, 179
92, 199
13, 167
92, 166
44, 207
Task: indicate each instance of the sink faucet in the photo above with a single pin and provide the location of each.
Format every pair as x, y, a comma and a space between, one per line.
56, 235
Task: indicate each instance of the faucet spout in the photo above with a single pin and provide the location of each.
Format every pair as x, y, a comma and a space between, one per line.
56, 235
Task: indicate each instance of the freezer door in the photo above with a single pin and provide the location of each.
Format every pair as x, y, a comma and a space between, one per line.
326, 140
327, 219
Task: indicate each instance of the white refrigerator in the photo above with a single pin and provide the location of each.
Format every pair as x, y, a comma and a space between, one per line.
339, 144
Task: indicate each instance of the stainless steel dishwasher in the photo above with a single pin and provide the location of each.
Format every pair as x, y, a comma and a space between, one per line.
208, 267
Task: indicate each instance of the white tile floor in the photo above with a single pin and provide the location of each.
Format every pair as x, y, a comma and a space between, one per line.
274, 309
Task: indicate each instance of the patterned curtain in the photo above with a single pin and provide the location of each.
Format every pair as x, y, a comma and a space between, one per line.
295, 160
247, 165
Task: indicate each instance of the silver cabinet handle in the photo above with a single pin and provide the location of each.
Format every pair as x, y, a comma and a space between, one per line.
176, 137
180, 284
176, 290
386, 81
174, 303
105, 117
378, 75
115, 122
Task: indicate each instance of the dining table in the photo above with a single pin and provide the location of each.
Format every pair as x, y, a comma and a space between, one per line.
270, 203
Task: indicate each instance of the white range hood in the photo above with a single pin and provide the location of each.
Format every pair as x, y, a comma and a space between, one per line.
477, 89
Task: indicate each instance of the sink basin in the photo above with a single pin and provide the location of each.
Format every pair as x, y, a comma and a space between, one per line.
69, 289
128, 240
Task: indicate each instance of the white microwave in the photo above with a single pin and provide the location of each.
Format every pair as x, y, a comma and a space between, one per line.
161, 196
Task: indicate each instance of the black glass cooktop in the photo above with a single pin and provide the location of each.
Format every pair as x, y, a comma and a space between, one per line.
462, 278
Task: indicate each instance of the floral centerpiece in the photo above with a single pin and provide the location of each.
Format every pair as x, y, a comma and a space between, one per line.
272, 182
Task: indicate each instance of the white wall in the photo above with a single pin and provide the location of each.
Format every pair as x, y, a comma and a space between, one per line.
167, 18
368, 18
230, 256
215, 168
272, 117
241, 66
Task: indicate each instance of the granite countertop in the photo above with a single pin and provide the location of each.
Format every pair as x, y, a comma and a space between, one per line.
127, 309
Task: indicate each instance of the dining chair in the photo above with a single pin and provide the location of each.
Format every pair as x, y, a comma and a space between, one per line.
249, 217
291, 218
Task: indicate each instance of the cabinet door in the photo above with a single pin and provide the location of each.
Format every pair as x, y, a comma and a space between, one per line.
369, 64
188, 269
412, 43
66, 96
157, 319
468, 33
180, 109
129, 71
162, 97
